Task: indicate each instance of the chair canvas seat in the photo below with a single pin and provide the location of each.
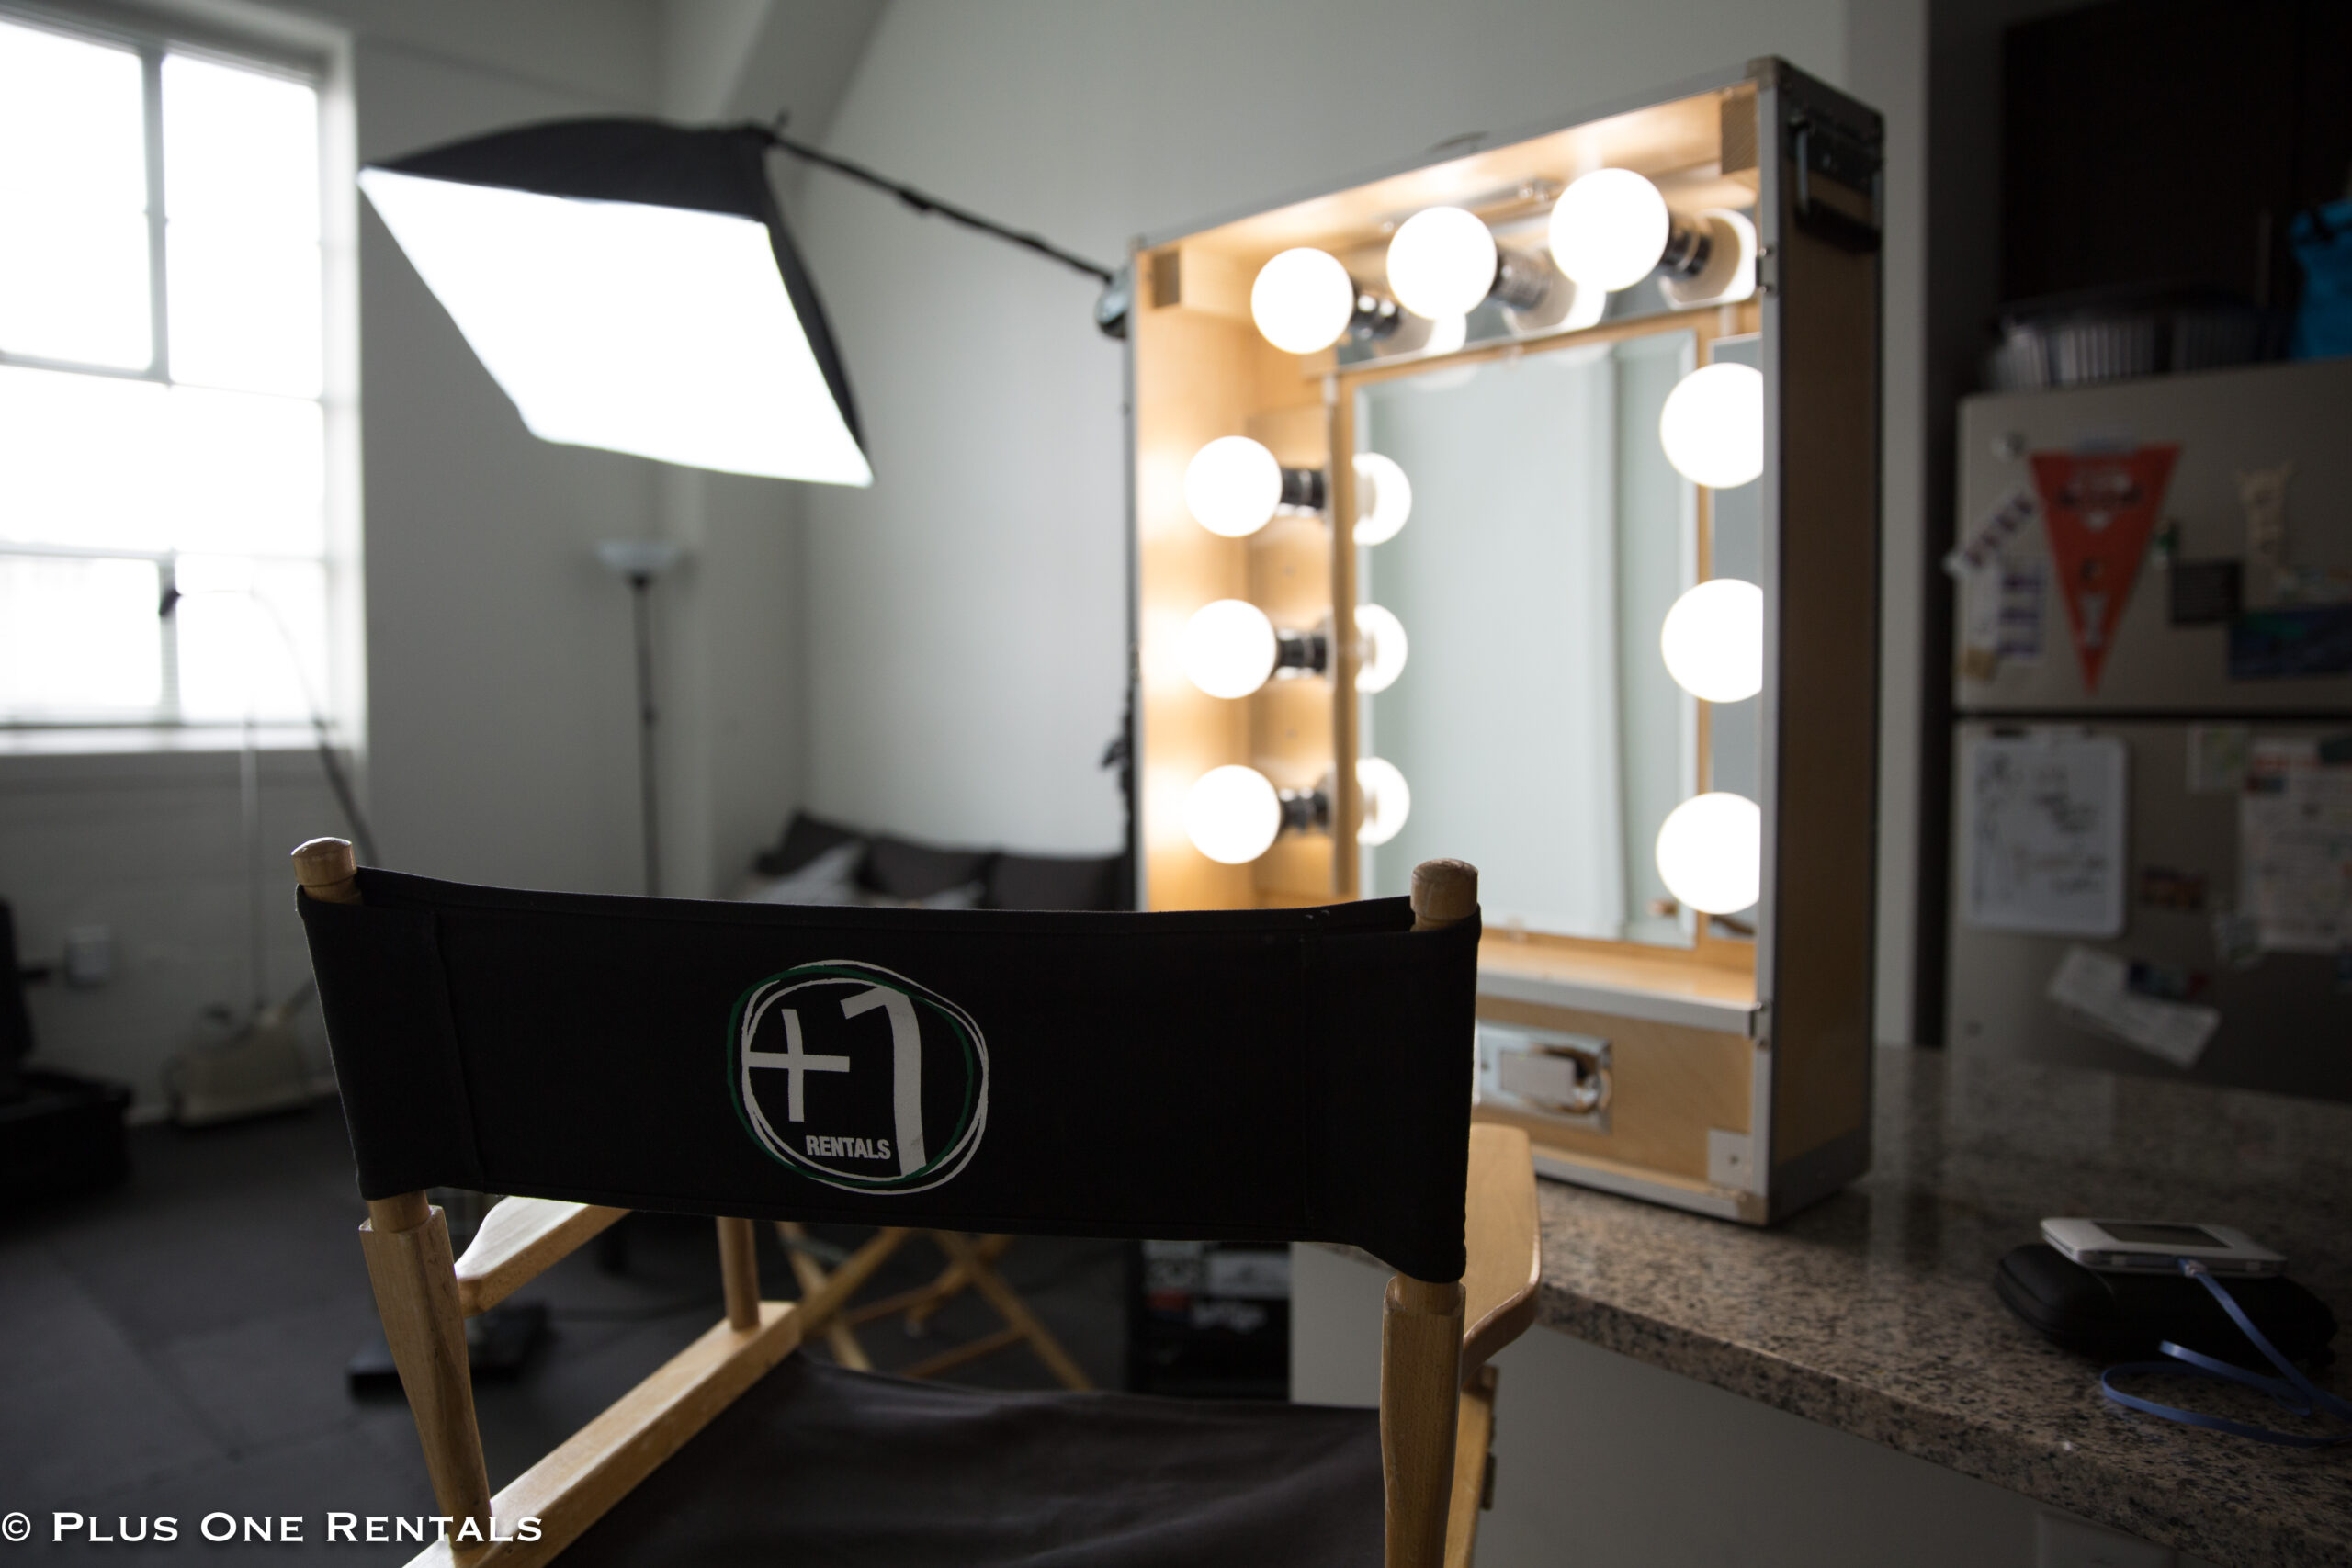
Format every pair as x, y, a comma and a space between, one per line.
818, 1466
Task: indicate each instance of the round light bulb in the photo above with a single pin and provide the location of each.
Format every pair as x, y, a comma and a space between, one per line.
1382, 637
1713, 640
1446, 334
1232, 485
1711, 852
1228, 647
1712, 425
1388, 800
1303, 300
1610, 228
1232, 814
1384, 497
1441, 262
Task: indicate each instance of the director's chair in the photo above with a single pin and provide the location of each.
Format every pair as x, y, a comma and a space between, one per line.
1299, 1075
971, 1267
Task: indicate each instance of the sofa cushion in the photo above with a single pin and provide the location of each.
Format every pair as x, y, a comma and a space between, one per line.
805, 838
1054, 881
901, 868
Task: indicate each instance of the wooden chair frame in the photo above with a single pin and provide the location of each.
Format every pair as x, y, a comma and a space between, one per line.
1436, 1389
970, 1267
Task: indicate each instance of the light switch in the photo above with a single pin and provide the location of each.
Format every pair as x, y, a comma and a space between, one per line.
89, 957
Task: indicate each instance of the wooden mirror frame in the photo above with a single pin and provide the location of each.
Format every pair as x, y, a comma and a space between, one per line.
1808, 160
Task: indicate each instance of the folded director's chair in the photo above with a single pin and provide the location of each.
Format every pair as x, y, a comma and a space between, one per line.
1273, 1076
971, 1267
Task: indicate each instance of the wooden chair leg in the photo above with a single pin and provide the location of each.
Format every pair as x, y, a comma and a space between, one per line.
415, 1276
830, 1299
1015, 1312
1474, 1468
952, 1281
956, 1355
739, 1272
1421, 1374
812, 1277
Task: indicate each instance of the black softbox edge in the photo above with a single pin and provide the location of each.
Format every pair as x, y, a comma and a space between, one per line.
653, 164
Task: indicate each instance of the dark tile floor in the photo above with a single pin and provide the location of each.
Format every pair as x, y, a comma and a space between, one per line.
176, 1347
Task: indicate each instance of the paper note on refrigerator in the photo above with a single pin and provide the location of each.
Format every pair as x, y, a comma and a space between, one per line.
2043, 834
2295, 848
2093, 990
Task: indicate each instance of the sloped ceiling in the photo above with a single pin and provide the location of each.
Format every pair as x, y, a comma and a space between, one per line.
749, 58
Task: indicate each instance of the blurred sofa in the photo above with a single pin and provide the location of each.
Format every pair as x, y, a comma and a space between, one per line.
817, 862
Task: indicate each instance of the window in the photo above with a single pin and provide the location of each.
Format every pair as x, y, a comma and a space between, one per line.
165, 429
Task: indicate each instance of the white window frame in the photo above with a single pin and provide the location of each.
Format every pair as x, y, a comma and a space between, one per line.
320, 56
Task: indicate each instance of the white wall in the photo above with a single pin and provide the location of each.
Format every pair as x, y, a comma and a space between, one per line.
152, 848
966, 615
501, 743
941, 655
967, 622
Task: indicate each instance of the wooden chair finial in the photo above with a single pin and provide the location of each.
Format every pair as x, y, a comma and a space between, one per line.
327, 870
1445, 893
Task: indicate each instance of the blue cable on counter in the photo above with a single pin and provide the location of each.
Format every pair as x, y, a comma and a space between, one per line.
2292, 1391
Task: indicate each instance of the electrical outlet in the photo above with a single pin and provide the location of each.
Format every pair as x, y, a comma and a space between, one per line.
2060, 1541
89, 957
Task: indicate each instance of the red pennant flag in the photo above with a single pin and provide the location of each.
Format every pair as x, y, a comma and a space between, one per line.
2098, 509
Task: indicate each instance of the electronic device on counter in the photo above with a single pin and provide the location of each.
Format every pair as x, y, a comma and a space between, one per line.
2143, 1247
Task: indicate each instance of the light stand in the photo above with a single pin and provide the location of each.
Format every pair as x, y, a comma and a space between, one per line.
539, 241
639, 563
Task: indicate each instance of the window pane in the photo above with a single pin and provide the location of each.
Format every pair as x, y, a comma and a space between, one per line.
253, 638
240, 144
74, 284
72, 125
243, 473
83, 459
107, 464
245, 312
79, 637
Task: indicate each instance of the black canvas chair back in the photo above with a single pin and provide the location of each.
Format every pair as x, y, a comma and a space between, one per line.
1263, 1074
1266, 1075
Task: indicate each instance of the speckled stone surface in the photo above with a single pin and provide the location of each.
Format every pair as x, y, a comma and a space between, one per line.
1873, 1312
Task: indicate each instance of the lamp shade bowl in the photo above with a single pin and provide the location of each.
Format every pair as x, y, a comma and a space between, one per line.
1232, 814
1712, 425
1713, 640
1232, 486
1382, 649
1384, 497
1228, 647
1441, 262
1303, 300
1386, 800
1609, 229
1711, 852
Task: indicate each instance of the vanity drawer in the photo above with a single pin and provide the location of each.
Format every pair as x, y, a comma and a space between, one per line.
1676, 1098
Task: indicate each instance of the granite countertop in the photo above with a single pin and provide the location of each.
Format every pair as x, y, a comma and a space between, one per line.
1874, 1310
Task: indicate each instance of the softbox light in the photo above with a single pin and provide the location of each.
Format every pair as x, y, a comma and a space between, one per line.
631, 285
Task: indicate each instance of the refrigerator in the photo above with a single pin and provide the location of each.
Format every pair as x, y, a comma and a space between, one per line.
2152, 794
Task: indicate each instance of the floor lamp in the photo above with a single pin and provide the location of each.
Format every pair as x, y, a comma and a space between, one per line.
639, 563
686, 328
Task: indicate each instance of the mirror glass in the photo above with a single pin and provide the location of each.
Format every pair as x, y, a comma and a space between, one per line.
1736, 549
1535, 723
